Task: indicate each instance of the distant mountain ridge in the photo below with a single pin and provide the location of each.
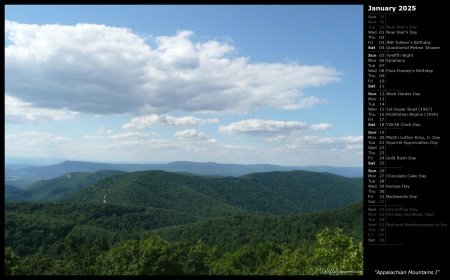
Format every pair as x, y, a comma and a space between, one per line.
51, 189
276, 193
199, 168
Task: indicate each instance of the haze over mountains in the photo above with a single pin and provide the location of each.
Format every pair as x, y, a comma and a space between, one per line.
23, 175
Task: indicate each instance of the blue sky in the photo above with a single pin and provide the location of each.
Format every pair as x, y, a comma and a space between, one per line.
154, 83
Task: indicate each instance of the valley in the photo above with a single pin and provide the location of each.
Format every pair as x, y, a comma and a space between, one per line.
281, 212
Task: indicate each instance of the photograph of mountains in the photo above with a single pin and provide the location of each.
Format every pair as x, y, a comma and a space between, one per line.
265, 222
183, 140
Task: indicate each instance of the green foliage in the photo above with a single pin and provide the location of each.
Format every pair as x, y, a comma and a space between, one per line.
31, 225
35, 265
333, 254
294, 192
252, 259
154, 256
12, 262
288, 263
48, 224
198, 259
337, 254
230, 233
121, 260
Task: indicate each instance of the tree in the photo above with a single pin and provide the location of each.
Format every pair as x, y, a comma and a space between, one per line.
289, 263
159, 257
36, 265
121, 260
337, 254
12, 262
198, 259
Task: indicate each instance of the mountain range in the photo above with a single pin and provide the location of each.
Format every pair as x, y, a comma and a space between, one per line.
276, 192
22, 176
52, 222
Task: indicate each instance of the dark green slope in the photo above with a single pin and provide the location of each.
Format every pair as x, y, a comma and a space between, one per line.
48, 190
277, 193
12, 189
30, 225
310, 191
285, 192
232, 232
157, 189
286, 208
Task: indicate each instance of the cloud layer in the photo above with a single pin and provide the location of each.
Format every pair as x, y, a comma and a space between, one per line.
17, 111
272, 130
105, 70
165, 120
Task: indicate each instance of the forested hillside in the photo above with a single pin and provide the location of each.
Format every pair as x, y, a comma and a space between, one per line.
107, 239
157, 222
292, 230
278, 193
52, 189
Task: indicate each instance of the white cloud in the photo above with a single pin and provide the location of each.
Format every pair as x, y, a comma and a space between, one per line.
270, 129
101, 130
239, 148
17, 111
343, 139
191, 135
165, 120
46, 138
142, 145
127, 135
306, 102
194, 141
107, 70
37, 143
135, 143
320, 126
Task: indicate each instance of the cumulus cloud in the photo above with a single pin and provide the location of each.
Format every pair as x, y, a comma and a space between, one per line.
17, 111
274, 130
141, 145
134, 144
320, 126
192, 135
342, 139
122, 136
104, 70
165, 120
45, 137
101, 130
36, 143
40, 144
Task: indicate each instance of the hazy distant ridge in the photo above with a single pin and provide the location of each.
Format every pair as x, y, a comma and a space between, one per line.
199, 168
